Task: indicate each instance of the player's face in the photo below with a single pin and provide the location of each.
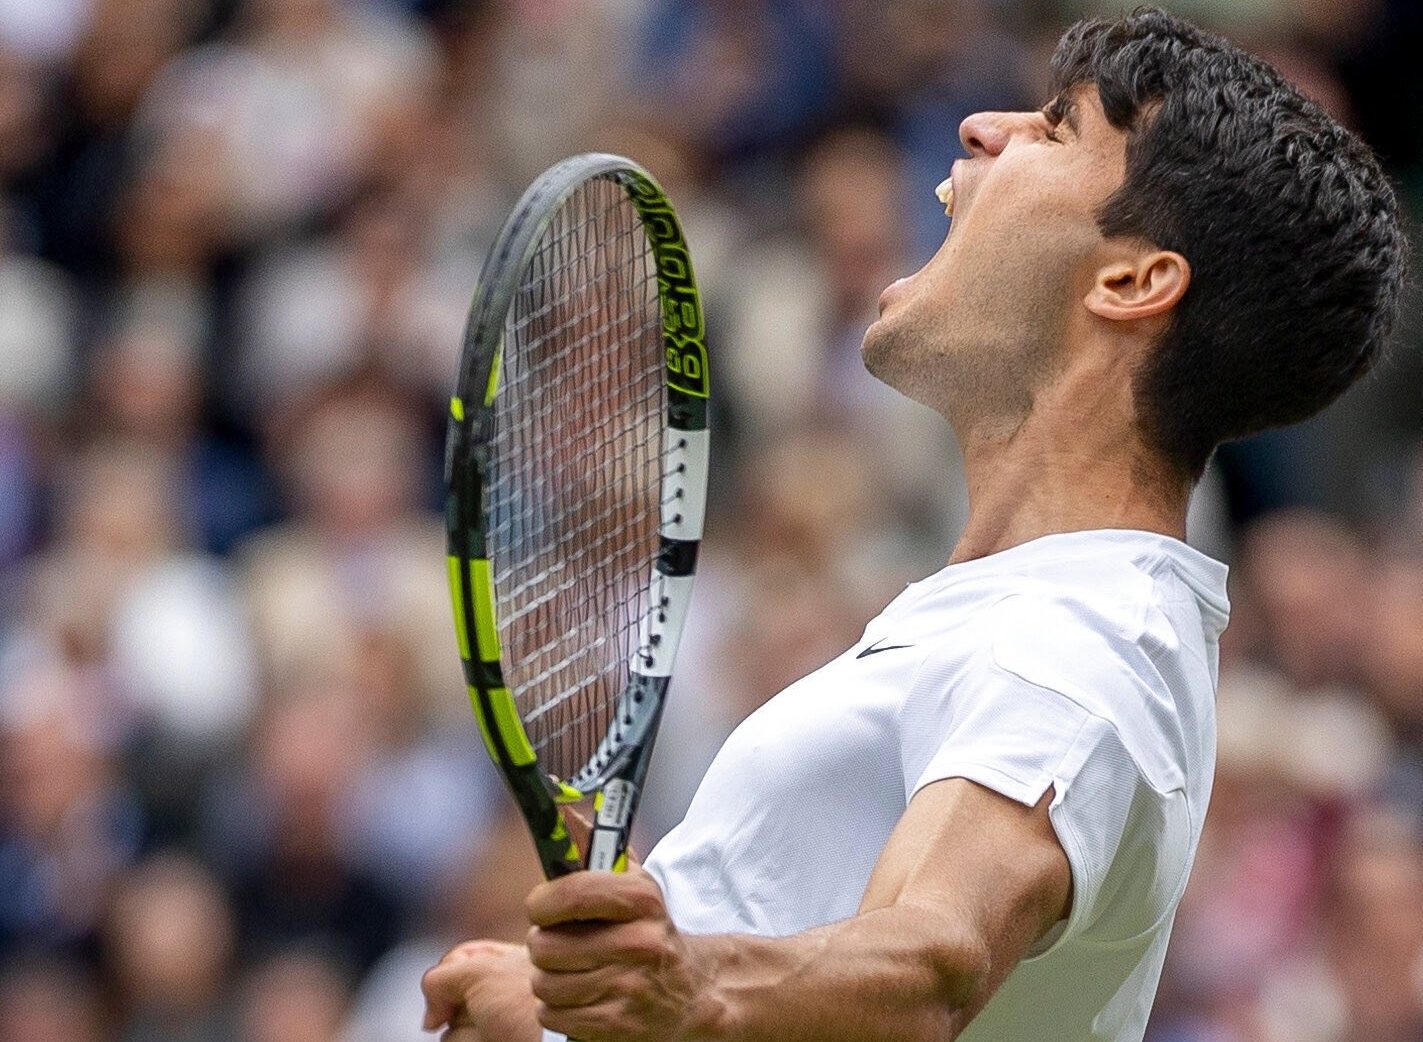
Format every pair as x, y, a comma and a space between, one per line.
977, 329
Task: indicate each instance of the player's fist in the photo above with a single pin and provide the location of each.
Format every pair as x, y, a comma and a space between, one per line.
609, 965
481, 990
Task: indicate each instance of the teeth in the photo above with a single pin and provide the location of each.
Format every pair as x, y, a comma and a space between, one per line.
945, 192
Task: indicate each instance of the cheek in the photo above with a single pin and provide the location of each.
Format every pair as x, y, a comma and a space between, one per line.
1032, 249
1022, 242
1032, 207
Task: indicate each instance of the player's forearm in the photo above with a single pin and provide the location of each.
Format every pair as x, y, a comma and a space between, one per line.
896, 974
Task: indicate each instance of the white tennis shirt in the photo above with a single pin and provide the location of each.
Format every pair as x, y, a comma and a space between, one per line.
1083, 661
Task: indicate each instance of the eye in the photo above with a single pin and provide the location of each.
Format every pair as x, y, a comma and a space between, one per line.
1054, 115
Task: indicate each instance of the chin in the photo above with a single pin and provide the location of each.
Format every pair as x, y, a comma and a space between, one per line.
872, 348
883, 352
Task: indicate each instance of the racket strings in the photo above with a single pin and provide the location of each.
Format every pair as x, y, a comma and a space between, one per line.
577, 469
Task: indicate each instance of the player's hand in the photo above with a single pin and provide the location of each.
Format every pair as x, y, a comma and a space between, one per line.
609, 966
481, 991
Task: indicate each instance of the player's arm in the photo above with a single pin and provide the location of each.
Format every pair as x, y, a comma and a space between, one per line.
967, 882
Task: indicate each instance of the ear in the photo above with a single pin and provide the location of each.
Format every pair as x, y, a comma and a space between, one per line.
1152, 285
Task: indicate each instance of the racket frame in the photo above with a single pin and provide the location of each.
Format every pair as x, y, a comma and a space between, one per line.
615, 775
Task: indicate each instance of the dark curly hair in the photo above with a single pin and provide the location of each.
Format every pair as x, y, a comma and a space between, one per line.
1289, 225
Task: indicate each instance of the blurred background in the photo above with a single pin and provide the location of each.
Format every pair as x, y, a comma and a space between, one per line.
241, 798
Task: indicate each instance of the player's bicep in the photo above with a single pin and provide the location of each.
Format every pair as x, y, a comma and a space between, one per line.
981, 864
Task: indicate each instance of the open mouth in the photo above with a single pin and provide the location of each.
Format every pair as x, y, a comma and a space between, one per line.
945, 192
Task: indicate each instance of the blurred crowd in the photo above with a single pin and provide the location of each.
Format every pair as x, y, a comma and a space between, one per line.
241, 799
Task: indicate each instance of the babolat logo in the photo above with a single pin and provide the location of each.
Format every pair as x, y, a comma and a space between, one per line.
683, 326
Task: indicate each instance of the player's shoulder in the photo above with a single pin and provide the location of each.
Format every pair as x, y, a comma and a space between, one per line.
1144, 597
1125, 628
1125, 589
1115, 580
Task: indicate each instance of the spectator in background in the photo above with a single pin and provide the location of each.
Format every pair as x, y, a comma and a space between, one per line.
37, 339
45, 1000
749, 77
70, 823
421, 791
1307, 574
355, 554
375, 298
277, 827
1373, 928
299, 996
170, 939
796, 291
551, 71
153, 627
19, 499
293, 108
1392, 663
74, 191
1355, 977
145, 384
1254, 893
37, 330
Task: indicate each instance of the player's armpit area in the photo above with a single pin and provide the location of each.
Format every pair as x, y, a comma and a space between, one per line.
979, 864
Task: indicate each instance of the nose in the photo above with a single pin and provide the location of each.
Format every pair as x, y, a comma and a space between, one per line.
988, 133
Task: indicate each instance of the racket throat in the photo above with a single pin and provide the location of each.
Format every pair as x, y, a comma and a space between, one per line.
613, 808
615, 803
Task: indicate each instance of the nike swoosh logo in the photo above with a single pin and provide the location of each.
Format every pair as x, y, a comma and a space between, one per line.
875, 649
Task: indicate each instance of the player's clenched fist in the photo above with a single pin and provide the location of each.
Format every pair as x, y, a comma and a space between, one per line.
481, 990
609, 966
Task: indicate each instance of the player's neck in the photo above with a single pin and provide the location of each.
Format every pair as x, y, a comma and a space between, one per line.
1063, 469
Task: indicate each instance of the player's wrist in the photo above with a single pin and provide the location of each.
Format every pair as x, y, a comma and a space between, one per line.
711, 1014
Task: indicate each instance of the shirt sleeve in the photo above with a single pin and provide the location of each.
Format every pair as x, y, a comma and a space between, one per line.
1008, 716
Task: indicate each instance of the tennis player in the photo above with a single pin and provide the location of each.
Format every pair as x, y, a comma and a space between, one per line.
977, 823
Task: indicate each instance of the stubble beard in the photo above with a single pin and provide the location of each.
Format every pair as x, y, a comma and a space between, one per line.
972, 381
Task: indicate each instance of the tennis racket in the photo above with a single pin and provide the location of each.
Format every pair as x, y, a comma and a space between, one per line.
575, 471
